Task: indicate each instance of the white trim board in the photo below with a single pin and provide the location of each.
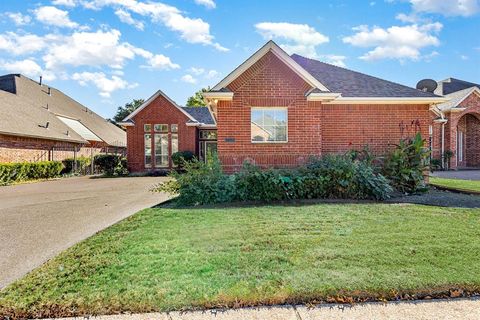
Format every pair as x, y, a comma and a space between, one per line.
282, 55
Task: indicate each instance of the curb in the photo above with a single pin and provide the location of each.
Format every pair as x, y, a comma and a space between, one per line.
463, 191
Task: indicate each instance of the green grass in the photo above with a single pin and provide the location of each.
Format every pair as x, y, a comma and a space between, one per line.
466, 185
175, 259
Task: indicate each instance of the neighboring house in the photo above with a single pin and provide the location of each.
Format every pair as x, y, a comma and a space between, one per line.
457, 123
38, 122
277, 110
160, 127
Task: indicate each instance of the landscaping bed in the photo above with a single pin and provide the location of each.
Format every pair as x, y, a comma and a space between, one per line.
176, 259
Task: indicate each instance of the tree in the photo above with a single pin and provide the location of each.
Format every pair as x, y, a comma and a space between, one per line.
197, 99
124, 111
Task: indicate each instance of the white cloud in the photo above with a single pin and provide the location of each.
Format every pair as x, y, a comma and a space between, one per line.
300, 38
126, 17
102, 82
188, 79
18, 18
192, 30
210, 4
16, 44
407, 18
26, 67
89, 49
212, 74
66, 3
336, 60
463, 57
196, 71
161, 62
463, 8
55, 17
396, 42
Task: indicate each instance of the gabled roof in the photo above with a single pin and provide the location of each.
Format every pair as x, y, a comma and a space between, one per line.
456, 98
270, 46
200, 114
130, 117
196, 115
24, 97
452, 85
355, 84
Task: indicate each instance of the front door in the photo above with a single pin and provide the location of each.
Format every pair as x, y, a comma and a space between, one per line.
210, 150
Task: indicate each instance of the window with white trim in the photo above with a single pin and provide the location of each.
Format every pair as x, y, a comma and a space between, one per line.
269, 125
148, 150
161, 150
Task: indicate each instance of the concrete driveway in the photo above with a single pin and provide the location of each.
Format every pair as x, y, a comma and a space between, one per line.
460, 174
39, 220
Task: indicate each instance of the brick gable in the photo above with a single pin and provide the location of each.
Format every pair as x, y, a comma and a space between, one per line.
159, 111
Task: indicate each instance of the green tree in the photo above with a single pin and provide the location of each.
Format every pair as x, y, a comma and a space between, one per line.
124, 111
197, 99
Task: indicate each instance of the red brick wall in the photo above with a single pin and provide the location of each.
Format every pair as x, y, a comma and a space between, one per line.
160, 111
313, 128
466, 121
24, 149
268, 83
378, 126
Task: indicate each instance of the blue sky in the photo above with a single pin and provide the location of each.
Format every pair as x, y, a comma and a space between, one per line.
104, 53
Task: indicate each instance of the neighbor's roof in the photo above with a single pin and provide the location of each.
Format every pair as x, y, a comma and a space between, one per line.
201, 114
451, 85
19, 117
456, 98
26, 97
355, 84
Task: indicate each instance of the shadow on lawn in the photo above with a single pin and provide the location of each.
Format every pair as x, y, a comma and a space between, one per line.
433, 197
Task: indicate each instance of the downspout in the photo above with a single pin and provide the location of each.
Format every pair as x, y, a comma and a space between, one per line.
443, 120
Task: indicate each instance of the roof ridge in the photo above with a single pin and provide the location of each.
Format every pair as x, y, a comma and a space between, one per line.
358, 72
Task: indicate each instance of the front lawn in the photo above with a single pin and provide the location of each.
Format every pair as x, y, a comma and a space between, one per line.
465, 185
170, 259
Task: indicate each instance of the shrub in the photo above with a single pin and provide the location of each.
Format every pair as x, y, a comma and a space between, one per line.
435, 164
201, 183
111, 164
23, 171
180, 157
69, 164
328, 177
406, 164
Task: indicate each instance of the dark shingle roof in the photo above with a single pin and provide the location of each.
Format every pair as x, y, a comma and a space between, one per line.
355, 84
451, 85
201, 114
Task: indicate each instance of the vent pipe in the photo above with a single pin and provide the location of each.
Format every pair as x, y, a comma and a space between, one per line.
49, 91
40, 82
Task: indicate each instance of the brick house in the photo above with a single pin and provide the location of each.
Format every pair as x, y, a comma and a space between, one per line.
160, 127
39, 122
456, 124
277, 110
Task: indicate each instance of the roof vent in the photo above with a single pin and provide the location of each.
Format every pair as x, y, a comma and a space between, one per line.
40, 82
49, 91
427, 85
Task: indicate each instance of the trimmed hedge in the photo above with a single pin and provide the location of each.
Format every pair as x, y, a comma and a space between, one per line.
23, 171
82, 164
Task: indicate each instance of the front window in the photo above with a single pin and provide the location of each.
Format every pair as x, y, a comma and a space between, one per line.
161, 150
147, 127
174, 127
269, 125
161, 128
148, 150
208, 134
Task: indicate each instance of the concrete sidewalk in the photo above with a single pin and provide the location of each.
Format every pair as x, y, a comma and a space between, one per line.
465, 309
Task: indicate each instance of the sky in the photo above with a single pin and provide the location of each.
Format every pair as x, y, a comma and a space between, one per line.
104, 53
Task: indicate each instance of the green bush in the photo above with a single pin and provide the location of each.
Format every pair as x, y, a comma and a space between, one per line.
328, 177
111, 164
82, 164
23, 171
201, 183
180, 157
405, 166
